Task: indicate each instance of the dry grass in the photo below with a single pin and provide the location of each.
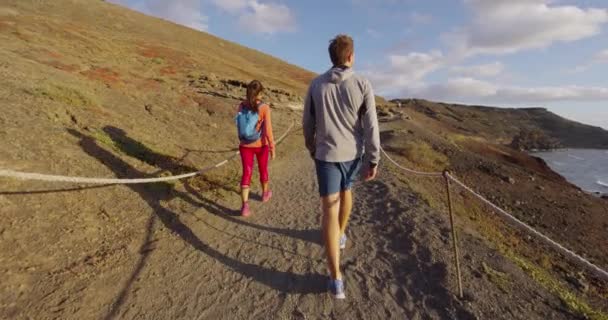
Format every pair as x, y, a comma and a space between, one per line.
474, 216
69, 96
422, 156
570, 299
509, 243
500, 279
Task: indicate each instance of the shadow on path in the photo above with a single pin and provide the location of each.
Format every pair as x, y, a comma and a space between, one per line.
49, 191
415, 269
138, 150
308, 235
174, 165
211, 151
220, 211
144, 252
285, 282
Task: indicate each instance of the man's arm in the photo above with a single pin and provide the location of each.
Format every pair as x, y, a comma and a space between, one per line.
371, 129
309, 122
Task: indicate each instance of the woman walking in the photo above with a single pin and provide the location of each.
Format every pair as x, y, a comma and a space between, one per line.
257, 141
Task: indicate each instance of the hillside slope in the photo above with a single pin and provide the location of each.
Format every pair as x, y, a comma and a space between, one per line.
503, 124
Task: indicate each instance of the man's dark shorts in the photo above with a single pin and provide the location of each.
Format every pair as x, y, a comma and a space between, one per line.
334, 177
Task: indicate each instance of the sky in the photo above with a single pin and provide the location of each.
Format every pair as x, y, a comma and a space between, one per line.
508, 53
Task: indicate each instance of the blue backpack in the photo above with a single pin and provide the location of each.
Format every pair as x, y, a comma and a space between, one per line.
246, 122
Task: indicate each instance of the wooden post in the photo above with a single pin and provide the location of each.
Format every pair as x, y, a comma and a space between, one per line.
454, 235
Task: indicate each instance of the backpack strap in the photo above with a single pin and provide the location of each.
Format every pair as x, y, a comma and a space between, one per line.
263, 123
241, 105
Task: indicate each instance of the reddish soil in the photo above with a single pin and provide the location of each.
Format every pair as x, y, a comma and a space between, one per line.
49, 53
62, 66
105, 75
172, 57
147, 84
170, 70
186, 100
4, 25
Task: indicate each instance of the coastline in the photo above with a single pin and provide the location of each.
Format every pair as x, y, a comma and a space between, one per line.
592, 185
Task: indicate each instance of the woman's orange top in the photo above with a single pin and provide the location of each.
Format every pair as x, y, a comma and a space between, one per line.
264, 124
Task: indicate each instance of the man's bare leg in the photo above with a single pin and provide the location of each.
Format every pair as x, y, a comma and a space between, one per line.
346, 206
331, 232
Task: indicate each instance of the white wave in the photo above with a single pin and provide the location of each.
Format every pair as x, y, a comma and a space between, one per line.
575, 157
602, 183
557, 163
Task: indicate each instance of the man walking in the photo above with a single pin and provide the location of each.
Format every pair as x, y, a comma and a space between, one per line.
341, 132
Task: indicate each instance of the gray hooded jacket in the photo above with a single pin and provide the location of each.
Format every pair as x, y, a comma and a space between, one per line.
340, 121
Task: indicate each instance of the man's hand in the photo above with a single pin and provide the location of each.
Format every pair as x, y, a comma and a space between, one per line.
272, 154
312, 154
371, 173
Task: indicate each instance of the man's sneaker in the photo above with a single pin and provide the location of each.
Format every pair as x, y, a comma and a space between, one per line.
336, 288
343, 241
266, 196
245, 211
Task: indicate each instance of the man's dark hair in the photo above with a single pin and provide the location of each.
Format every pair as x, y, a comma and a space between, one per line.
340, 48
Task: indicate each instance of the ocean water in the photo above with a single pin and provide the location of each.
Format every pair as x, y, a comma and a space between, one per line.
586, 168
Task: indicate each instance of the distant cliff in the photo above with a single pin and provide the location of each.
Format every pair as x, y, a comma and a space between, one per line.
512, 125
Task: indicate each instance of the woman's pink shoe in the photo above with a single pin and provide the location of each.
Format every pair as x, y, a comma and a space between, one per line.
245, 211
266, 196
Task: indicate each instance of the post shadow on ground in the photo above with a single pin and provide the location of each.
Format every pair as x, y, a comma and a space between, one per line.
282, 281
424, 278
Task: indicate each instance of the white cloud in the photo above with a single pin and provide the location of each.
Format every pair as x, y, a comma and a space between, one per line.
476, 91
373, 33
508, 26
405, 69
481, 70
496, 27
599, 58
185, 12
458, 88
420, 18
257, 17
267, 18
233, 6
252, 15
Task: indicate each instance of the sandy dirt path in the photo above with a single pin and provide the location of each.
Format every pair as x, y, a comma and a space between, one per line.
214, 264
197, 259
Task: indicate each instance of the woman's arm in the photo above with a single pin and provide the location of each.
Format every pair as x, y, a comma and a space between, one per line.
268, 130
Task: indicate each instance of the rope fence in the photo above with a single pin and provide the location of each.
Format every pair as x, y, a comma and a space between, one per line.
418, 173
514, 221
446, 175
522, 225
85, 180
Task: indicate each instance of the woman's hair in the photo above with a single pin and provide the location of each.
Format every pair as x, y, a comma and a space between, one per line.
254, 88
